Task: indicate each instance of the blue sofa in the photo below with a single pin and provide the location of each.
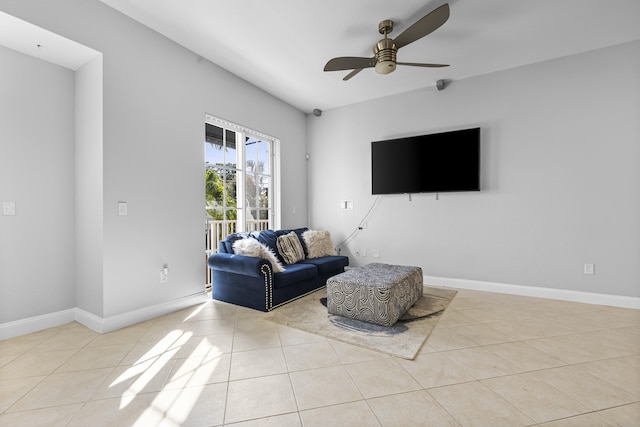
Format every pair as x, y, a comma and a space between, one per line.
250, 281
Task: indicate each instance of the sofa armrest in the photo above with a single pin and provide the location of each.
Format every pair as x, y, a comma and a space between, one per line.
239, 264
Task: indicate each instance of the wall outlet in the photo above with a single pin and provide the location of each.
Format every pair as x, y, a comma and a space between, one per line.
164, 274
589, 269
356, 252
375, 253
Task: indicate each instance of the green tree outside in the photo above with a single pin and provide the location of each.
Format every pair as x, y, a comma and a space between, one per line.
216, 196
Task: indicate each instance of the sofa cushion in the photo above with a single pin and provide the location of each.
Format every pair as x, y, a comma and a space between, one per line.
252, 247
318, 243
328, 264
294, 274
267, 238
225, 247
289, 248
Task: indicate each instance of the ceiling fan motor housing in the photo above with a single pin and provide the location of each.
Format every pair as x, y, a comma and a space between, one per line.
385, 51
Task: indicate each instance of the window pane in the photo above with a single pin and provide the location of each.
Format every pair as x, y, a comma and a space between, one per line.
231, 152
231, 189
263, 191
251, 188
250, 154
214, 190
214, 212
219, 151
263, 156
213, 134
214, 147
214, 155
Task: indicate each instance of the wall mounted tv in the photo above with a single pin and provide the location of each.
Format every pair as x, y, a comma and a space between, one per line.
433, 163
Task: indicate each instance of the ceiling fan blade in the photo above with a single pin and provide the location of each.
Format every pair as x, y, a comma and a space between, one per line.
417, 64
349, 63
351, 74
425, 25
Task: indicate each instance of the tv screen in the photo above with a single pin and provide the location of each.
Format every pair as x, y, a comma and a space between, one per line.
433, 163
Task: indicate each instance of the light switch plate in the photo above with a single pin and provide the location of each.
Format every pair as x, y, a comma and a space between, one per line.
122, 208
589, 269
8, 208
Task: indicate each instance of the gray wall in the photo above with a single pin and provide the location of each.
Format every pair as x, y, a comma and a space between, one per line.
560, 176
154, 98
36, 171
89, 184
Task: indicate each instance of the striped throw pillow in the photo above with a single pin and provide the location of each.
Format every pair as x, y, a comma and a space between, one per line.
290, 248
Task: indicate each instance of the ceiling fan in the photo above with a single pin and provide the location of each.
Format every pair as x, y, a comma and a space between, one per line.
385, 51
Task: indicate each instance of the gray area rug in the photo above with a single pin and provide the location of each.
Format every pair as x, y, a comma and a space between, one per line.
404, 339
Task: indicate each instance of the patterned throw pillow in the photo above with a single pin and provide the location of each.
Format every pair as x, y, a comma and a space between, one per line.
251, 247
290, 248
318, 243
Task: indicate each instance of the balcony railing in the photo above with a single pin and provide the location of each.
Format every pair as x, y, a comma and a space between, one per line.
218, 230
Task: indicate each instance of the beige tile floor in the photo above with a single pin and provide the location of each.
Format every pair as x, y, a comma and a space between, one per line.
493, 360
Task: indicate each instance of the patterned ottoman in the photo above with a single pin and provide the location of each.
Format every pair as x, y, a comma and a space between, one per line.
376, 293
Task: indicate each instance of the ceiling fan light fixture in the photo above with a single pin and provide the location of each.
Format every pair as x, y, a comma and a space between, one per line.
385, 67
385, 51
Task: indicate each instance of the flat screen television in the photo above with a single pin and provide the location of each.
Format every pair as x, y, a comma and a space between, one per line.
433, 163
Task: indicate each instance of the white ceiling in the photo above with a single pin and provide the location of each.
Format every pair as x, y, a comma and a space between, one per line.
282, 46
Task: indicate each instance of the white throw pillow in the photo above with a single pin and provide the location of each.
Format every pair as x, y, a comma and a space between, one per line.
318, 243
253, 248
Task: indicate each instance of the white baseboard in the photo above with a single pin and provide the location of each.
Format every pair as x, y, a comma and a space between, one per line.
97, 323
534, 291
119, 321
36, 323
89, 320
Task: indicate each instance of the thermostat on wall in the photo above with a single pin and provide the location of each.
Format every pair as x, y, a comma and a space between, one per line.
8, 208
346, 205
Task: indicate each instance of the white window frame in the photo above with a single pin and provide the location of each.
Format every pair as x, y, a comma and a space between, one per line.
274, 168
